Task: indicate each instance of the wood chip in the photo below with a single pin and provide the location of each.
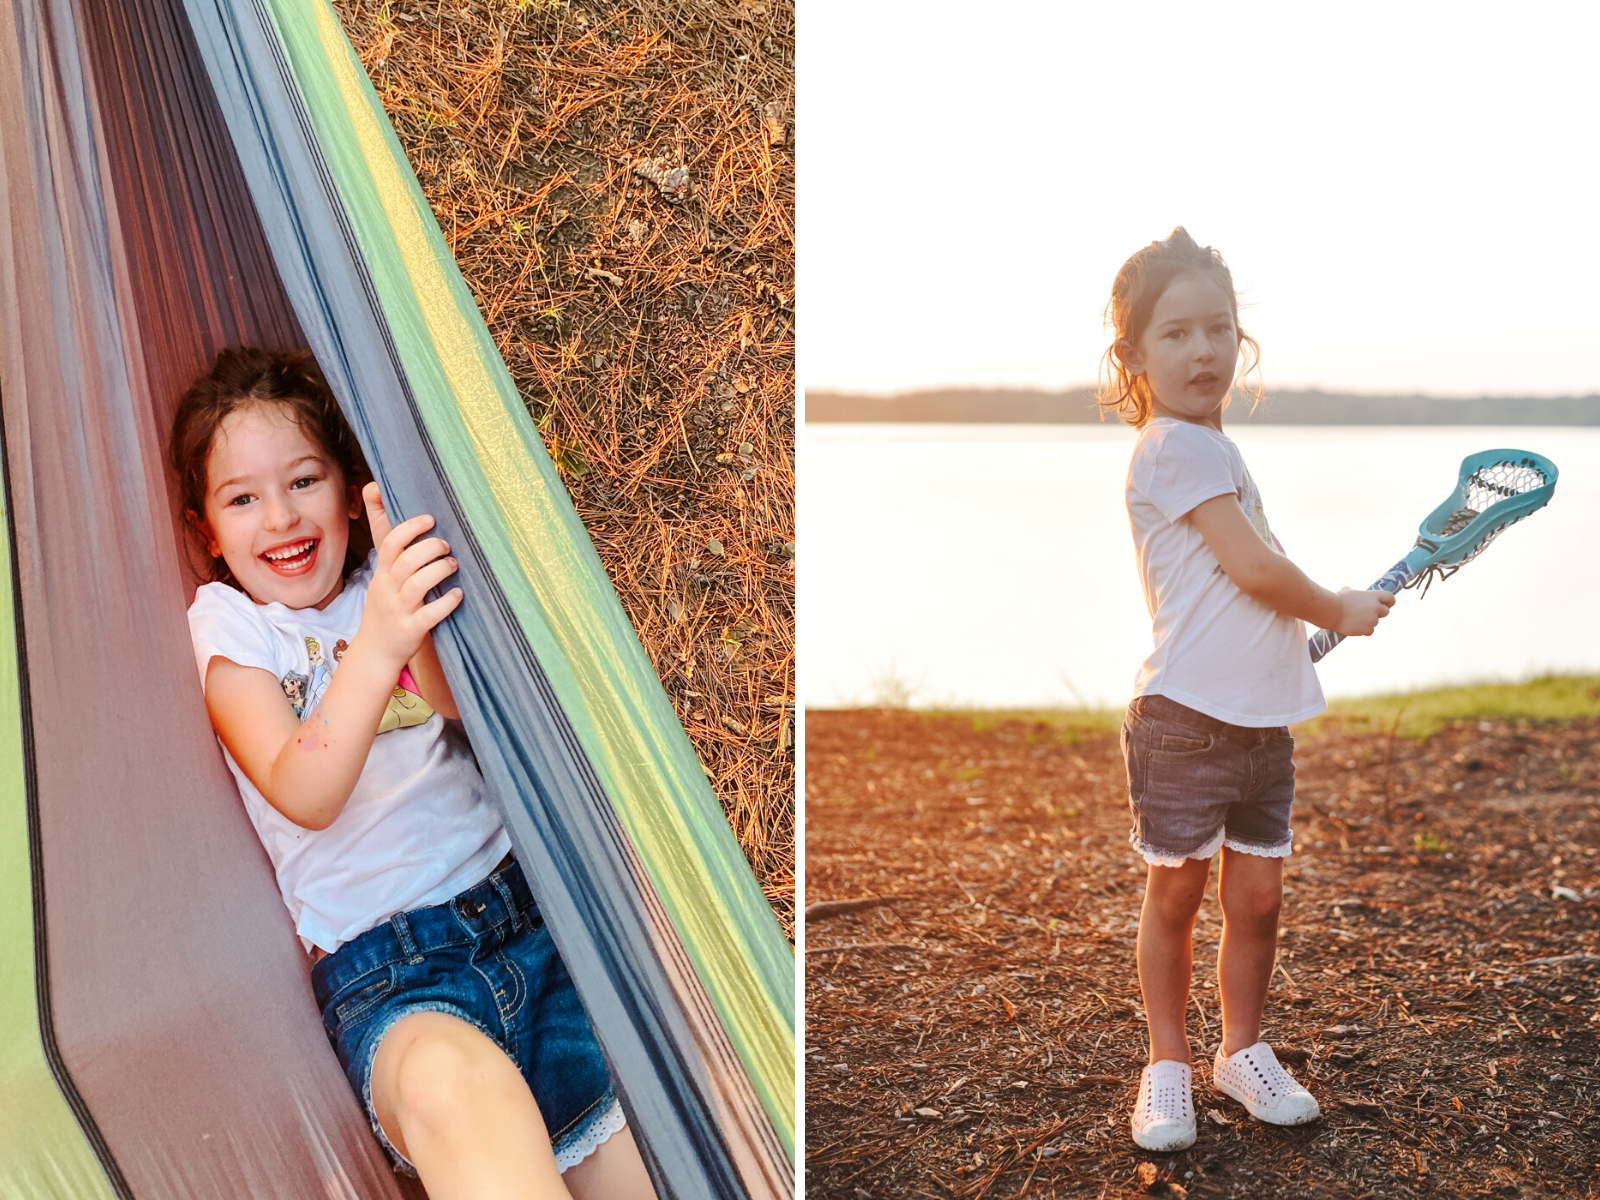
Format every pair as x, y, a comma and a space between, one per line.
824, 910
1365, 1107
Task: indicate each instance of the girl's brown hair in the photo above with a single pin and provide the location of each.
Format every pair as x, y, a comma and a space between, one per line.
241, 378
1139, 284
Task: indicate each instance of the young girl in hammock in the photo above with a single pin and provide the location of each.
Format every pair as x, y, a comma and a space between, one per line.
1209, 757
440, 988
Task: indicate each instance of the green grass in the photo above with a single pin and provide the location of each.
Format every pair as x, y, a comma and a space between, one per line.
1421, 714
1068, 725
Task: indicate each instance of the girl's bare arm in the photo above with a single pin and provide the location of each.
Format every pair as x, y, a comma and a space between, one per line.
306, 769
429, 674
1263, 574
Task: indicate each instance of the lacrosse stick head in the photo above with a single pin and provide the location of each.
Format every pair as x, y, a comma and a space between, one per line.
1495, 488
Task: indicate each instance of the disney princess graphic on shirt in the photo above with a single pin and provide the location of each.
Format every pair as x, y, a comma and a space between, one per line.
406, 706
1250, 501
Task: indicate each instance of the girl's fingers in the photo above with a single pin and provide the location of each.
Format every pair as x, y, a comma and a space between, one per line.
425, 578
377, 514
418, 555
437, 610
398, 538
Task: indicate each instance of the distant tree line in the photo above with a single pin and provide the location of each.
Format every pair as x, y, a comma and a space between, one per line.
1309, 407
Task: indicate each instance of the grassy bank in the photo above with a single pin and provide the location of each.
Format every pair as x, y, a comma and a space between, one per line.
1419, 714
1549, 698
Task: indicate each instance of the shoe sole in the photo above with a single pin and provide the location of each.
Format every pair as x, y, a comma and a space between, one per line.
1268, 1115
1181, 1142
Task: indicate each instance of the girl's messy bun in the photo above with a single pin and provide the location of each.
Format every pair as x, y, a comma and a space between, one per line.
1139, 284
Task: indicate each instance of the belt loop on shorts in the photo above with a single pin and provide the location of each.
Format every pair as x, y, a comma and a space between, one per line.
402, 931
501, 886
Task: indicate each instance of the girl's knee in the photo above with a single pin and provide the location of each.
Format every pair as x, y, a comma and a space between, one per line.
1256, 906
1173, 894
444, 1074
1174, 908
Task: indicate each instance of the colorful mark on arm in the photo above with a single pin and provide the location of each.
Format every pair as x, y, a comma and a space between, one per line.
313, 733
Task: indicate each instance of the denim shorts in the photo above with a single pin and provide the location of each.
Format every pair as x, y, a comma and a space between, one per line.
487, 958
1197, 784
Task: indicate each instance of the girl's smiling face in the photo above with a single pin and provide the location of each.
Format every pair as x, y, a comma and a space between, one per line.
1189, 351
277, 508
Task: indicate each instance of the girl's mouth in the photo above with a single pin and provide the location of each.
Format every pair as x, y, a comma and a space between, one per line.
292, 558
1205, 379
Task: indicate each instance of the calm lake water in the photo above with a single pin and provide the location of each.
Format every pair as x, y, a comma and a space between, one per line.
992, 566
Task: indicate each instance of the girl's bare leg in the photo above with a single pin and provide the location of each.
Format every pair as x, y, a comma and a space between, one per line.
458, 1108
1251, 890
613, 1172
1172, 897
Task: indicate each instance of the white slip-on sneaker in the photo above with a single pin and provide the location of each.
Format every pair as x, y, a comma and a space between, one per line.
1256, 1079
1163, 1117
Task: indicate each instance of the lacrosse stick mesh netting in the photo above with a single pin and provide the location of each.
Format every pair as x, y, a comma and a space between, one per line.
1486, 487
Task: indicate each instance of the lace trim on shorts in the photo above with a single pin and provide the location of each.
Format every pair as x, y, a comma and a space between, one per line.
596, 1135
1160, 858
1282, 850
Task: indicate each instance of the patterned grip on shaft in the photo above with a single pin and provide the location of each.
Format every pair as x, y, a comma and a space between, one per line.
1393, 580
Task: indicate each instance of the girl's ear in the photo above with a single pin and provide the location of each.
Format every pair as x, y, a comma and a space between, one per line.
354, 508
1129, 356
203, 528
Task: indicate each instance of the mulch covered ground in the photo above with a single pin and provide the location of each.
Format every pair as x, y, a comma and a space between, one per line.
616, 180
981, 1034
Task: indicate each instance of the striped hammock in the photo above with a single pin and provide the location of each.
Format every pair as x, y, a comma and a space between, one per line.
184, 175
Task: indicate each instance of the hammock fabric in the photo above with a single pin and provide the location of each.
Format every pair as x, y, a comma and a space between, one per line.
180, 179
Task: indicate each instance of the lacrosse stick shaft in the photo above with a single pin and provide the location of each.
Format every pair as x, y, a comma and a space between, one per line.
1393, 580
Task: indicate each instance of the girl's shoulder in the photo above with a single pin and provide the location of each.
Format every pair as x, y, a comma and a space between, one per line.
1161, 431
1176, 465
1169, 441
224, 621
221, 601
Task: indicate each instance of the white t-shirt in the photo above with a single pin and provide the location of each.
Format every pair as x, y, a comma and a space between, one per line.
1216, 649
417, 829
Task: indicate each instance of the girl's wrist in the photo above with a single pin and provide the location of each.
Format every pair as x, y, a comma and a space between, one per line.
370, 661
1330, 609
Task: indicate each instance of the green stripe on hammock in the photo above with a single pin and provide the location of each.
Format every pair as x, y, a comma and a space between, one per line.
43, 1153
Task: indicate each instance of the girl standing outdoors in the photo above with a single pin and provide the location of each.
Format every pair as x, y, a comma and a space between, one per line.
440, 988
1208, 753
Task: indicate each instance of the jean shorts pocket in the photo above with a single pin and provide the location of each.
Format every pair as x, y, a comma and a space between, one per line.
1172, 743
361, 996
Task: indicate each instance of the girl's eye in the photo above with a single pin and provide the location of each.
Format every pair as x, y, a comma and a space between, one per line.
304, 481
240, 500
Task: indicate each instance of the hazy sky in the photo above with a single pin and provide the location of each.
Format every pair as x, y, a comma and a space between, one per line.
1406, 193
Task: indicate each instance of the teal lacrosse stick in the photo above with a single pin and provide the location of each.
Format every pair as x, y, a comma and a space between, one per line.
1496, 488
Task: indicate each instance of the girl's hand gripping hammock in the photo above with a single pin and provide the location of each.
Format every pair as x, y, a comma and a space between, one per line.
1496, 488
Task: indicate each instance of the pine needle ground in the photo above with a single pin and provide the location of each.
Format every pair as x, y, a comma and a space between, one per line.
617, 183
